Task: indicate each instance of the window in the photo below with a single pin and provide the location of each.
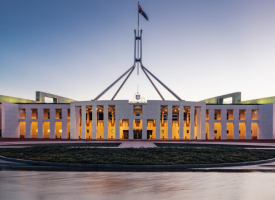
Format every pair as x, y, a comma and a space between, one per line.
137, 110
207, 113
58, 113
217, 115
46, 113
68, 114
34, 114
175, 117
229, 114
22, 113
254, 115
242, 114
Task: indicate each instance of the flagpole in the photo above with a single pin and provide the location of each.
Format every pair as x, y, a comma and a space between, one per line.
138, 41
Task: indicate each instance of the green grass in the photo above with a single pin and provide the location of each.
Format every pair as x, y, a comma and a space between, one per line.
169, 155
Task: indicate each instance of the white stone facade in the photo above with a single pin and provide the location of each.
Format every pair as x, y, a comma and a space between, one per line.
200, 121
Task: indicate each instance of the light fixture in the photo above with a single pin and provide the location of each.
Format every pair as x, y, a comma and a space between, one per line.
60, 131
48, 130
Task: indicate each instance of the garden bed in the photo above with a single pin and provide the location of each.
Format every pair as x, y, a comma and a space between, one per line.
168, 155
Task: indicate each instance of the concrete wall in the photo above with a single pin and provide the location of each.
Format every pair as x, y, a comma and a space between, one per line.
266, 121
9, 99
236, 98
124, 110
266, 111
151, 111
10, 125
40, 97
14, 120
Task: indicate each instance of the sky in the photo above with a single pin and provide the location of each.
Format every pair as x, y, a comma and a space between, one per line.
77, 48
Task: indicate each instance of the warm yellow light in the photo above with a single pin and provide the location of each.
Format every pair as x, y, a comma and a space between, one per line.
60, 131
48, 130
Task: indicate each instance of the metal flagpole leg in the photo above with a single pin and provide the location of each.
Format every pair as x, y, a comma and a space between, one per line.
123, 83
138, 42
162, 84
113, 83
135, 55
152, 83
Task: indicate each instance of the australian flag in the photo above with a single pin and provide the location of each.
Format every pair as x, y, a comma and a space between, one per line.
142, 12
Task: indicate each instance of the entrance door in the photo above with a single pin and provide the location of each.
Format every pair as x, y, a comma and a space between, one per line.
137, 134
125, 134
149, 134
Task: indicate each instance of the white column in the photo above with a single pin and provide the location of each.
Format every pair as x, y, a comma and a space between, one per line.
72, 121
117, 132
211, 123
52, 123
105, 134
77, 116
198, 110
158, 126
40, 122
181, 122
170, 122
203, 122
131, 131
144, 128
28, 123
192, 120
248, 123
223, 123
83, 122
64, 123
94, 131
236, 123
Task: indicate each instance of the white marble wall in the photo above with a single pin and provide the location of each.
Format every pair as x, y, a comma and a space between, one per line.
11, 120
248, 120
10, 125
151, 110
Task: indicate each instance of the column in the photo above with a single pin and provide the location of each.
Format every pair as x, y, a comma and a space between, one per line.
83, 122
158, 125
105, 134
203, 122
52, 123
131, 131
72, 121
40, 122
192, 119
236, 123
169, 122
94, 131
64, 123
144, 128
248, 123
181, 122
224, 123
28, 123
117, 128
211, 123
198, 110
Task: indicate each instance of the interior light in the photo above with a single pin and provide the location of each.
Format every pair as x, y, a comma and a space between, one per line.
48, 130
60, 131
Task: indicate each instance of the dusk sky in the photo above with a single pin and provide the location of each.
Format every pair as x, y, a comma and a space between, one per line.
77, 48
